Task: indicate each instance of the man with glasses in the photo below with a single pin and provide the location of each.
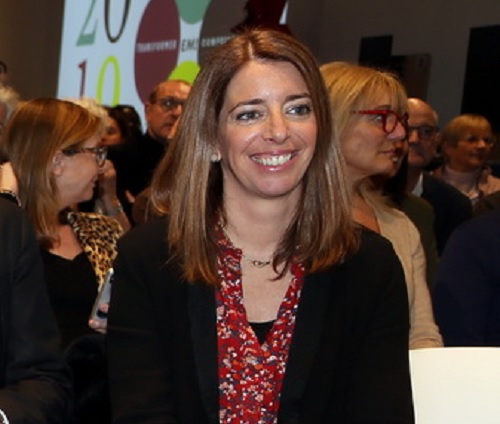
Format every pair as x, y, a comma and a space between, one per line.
451, 207
162, 110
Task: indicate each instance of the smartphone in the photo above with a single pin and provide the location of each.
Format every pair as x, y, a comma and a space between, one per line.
103, 296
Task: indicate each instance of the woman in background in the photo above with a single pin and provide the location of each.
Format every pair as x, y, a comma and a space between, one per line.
55, 154
370, 120
466, 144
256, 300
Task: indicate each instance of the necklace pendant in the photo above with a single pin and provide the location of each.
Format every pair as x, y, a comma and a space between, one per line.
259, 264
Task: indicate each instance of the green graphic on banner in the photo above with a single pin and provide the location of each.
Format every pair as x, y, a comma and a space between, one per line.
186, 71
192, 11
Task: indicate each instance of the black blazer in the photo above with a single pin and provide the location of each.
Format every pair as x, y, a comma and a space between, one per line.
348, 361
34, 384
451, 207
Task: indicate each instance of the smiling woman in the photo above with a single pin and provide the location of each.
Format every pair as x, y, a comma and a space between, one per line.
466, 144
256, 300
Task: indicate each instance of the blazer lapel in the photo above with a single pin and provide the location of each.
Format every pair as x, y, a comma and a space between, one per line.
202, 315
305, 342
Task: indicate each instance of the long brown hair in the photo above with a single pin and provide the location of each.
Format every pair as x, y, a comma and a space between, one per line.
36, 132
188, 185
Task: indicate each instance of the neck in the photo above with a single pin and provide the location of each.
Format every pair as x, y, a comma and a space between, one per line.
363, 213
257, 228
460, 168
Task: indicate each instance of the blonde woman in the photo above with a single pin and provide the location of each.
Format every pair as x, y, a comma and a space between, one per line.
370, 119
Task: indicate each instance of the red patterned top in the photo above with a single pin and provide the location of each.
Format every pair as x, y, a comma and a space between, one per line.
250, 374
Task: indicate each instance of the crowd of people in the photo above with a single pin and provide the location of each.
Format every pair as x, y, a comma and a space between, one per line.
281, 234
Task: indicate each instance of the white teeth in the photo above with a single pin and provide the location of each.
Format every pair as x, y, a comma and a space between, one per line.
273, 160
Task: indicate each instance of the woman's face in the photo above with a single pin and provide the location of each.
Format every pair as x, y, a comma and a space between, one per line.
112, 135
471, 151
367, 148
267, 132
76, 174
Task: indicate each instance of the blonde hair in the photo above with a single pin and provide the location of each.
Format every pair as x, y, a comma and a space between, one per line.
463, 125
188, 185
36, 132
353, 87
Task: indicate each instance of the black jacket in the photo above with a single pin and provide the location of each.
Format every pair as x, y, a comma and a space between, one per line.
348, 361
34, 383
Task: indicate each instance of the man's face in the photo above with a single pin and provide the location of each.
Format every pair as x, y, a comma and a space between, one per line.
162, 115
423, 135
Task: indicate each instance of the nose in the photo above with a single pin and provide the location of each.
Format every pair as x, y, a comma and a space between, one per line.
399, 132
482, 143
413, 136
176, 110
277, 128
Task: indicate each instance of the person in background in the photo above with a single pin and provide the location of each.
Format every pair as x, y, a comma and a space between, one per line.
122, 132
162, 110
256, 300
105, 199
451, 207
35, 385
466, 144
466, 293
9, 99
369, 120
56, 157
162, 125
393, 187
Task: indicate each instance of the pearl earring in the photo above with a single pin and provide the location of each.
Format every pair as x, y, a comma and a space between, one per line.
215, 157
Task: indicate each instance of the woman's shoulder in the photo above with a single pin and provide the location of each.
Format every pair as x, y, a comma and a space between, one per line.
372, 246
146, 237
96, 221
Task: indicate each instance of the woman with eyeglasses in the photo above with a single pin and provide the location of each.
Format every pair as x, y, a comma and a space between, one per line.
56, 157
466, 144
370, 121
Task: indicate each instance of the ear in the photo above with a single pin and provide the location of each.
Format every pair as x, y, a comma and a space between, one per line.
58, 163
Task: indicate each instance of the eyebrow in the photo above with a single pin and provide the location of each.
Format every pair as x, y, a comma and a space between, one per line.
259, 101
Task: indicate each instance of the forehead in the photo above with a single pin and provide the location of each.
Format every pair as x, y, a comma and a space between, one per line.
421, 113
177, 89
92, 141
263, 79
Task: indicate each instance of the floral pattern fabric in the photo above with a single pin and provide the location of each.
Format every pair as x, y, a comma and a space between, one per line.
250, 374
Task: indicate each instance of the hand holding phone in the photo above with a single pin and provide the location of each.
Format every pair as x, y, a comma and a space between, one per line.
99, 315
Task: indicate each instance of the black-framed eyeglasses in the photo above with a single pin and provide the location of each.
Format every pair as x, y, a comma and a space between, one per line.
170, 103
388, 118
100, 152
425, 132
474, 139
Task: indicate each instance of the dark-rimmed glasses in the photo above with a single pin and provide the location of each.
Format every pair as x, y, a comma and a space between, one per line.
388, 118
100, 153
170, 103
425, 132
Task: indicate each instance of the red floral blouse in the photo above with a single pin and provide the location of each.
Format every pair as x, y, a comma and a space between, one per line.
250, 374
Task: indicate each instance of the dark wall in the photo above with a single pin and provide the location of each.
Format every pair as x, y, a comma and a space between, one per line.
30, 33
